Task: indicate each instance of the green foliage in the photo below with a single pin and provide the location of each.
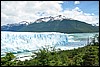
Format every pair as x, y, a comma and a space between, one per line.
78, 60
9, 56
7, 60
90, 57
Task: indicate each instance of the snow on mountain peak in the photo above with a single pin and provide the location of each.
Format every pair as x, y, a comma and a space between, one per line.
24, 22
46, 19
17, 24
59, 17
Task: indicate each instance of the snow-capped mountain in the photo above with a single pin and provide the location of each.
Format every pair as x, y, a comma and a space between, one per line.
46, 19
24, 22
54, 24
15, 26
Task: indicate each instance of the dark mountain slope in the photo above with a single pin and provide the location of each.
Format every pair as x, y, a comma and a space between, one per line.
65, 26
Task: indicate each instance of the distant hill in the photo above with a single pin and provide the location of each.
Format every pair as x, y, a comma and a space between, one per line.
64, 25
57, 24
14, 27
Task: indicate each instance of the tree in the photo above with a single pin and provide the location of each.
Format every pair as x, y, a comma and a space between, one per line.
43, 56
96, 37
9, 56
78, 60
90, 58
7, 60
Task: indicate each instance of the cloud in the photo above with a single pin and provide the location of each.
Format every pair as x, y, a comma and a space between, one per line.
76, 9
77, 2
78, 14
17, 11
28, 10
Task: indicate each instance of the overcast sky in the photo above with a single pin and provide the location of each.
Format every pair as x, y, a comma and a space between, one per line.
17, 11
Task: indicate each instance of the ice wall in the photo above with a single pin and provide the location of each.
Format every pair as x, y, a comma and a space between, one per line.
28, 41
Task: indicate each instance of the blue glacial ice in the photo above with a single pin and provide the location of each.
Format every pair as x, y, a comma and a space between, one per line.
17, 42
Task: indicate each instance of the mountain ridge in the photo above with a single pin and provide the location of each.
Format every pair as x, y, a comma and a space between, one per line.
65, 26
56, 24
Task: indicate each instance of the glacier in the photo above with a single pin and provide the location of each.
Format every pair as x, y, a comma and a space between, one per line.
28, 42
22, 44
19, 42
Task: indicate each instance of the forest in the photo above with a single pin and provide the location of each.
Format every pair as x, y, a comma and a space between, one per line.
84, 56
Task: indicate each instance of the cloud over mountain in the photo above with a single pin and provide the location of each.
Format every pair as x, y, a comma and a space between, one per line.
17, 11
